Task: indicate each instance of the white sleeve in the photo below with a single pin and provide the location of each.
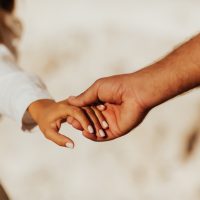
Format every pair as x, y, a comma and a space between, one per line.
18, 90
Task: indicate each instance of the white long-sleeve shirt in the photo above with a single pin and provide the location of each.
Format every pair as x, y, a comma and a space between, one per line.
18, 90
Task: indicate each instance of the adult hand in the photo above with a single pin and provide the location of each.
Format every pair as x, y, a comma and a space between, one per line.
123, 109
129, 97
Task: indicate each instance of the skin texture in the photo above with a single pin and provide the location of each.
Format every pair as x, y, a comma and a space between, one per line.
129, 97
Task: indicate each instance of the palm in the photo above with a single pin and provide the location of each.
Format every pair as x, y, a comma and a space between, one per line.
123, 112
121, 119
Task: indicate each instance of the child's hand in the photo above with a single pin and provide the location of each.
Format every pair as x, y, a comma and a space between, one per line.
49, 115
97, 120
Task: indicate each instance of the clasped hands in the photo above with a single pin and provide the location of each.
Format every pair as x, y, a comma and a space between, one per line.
125, 99
120, 110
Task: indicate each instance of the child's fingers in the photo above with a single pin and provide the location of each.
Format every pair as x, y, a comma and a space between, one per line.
76, 124
58, 124
64, 110
79, 115
100, 117
70, 119
58, 138
99, 131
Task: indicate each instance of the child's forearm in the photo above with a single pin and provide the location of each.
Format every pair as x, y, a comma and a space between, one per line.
173, 75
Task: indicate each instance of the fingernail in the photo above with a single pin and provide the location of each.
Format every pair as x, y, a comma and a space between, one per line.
101, 133
70, 145
90, 129
105, 124
101, 107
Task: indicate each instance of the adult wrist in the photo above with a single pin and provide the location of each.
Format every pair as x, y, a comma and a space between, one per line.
143, 87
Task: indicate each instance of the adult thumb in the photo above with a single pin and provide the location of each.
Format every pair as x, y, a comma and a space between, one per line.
88, 97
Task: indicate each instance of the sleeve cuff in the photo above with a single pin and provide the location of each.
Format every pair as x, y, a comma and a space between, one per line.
18, 90
24, 118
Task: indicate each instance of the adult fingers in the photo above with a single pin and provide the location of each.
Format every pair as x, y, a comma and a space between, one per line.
79, 115
94, 119
109, 136
100, 117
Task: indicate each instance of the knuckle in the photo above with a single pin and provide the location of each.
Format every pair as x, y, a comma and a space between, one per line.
100, 79
97, 82
83, 101
76, 111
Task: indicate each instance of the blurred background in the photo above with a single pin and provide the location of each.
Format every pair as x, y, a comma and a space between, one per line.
70, 44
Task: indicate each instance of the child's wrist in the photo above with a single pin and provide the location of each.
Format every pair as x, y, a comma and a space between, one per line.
36, 108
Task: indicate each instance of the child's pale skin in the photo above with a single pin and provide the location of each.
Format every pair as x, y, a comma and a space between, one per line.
49, 115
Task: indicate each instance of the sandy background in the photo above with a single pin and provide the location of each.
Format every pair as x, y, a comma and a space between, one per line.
71, 43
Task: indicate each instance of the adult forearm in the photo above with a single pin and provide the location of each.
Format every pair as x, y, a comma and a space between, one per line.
175, 74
